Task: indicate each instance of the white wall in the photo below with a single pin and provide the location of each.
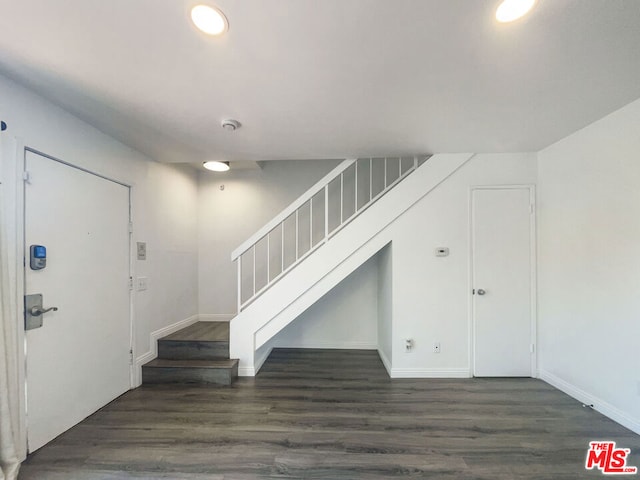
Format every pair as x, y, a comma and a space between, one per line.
346, 317
385, 306
229, 216
431, 294
164, 203
165, 217
589, 265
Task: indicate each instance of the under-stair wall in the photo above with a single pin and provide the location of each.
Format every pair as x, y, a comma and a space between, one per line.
429, 298
332, 262
345, 318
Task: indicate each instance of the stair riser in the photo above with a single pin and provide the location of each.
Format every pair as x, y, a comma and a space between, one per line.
217, 376
192, 350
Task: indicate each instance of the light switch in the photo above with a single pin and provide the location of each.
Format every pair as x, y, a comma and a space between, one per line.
142, 250
142, 283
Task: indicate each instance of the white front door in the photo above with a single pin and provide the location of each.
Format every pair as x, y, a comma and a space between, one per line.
78, 361
501, 281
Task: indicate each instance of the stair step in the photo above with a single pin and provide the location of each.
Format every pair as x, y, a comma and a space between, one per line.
220, 372
200, 341
192, 350
202, 331
198, 353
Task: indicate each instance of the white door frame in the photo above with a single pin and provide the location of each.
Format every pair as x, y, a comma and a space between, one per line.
533, 274
20, 152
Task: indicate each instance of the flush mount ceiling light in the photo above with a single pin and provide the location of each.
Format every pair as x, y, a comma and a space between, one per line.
216, 166
209, 19
510, 10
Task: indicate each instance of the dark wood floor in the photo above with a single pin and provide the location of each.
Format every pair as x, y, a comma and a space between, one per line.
325, 414
203, 331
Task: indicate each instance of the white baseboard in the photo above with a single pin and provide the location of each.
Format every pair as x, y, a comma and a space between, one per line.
430, 373
153, 344
385, 361
330, 345
216, 317
599, 405
246, 372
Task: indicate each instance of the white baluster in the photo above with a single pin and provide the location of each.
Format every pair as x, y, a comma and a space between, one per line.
297, 250
385, 174
370, 179
326, 211
254, 269
239, 260
341, 197
355, 189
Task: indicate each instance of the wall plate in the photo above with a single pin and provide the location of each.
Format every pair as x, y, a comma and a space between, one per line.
142, 250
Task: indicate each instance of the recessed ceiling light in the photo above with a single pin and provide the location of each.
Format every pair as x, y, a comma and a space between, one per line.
510, 10
216, 166
209, 19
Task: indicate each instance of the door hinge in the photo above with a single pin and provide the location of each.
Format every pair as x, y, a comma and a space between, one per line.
532, 348
130, 227
26, 176
531, 208
131, 356
130, 283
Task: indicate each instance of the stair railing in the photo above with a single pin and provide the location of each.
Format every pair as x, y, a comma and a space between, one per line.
313, 219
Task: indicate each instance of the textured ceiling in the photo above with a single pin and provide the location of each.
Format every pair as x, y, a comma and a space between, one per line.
326, 79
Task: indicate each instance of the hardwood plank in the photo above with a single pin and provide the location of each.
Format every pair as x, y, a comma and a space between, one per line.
182, 363
326, 414
205, 331
192, 349
219, 372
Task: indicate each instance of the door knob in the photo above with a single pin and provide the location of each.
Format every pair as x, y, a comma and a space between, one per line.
481, 291
37, 311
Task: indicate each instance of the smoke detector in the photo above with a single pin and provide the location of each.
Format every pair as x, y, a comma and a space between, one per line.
230, 125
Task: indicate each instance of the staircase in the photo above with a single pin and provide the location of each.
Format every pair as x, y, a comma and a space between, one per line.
196, 354
321, 238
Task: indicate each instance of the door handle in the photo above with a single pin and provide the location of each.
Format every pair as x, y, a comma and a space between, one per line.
33, 311
481, 291
37, 311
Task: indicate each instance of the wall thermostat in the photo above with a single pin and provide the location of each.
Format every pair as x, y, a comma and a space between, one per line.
37, 257
442, 252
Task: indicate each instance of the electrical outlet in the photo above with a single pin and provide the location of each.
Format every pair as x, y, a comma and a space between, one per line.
436, 347
408, 345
